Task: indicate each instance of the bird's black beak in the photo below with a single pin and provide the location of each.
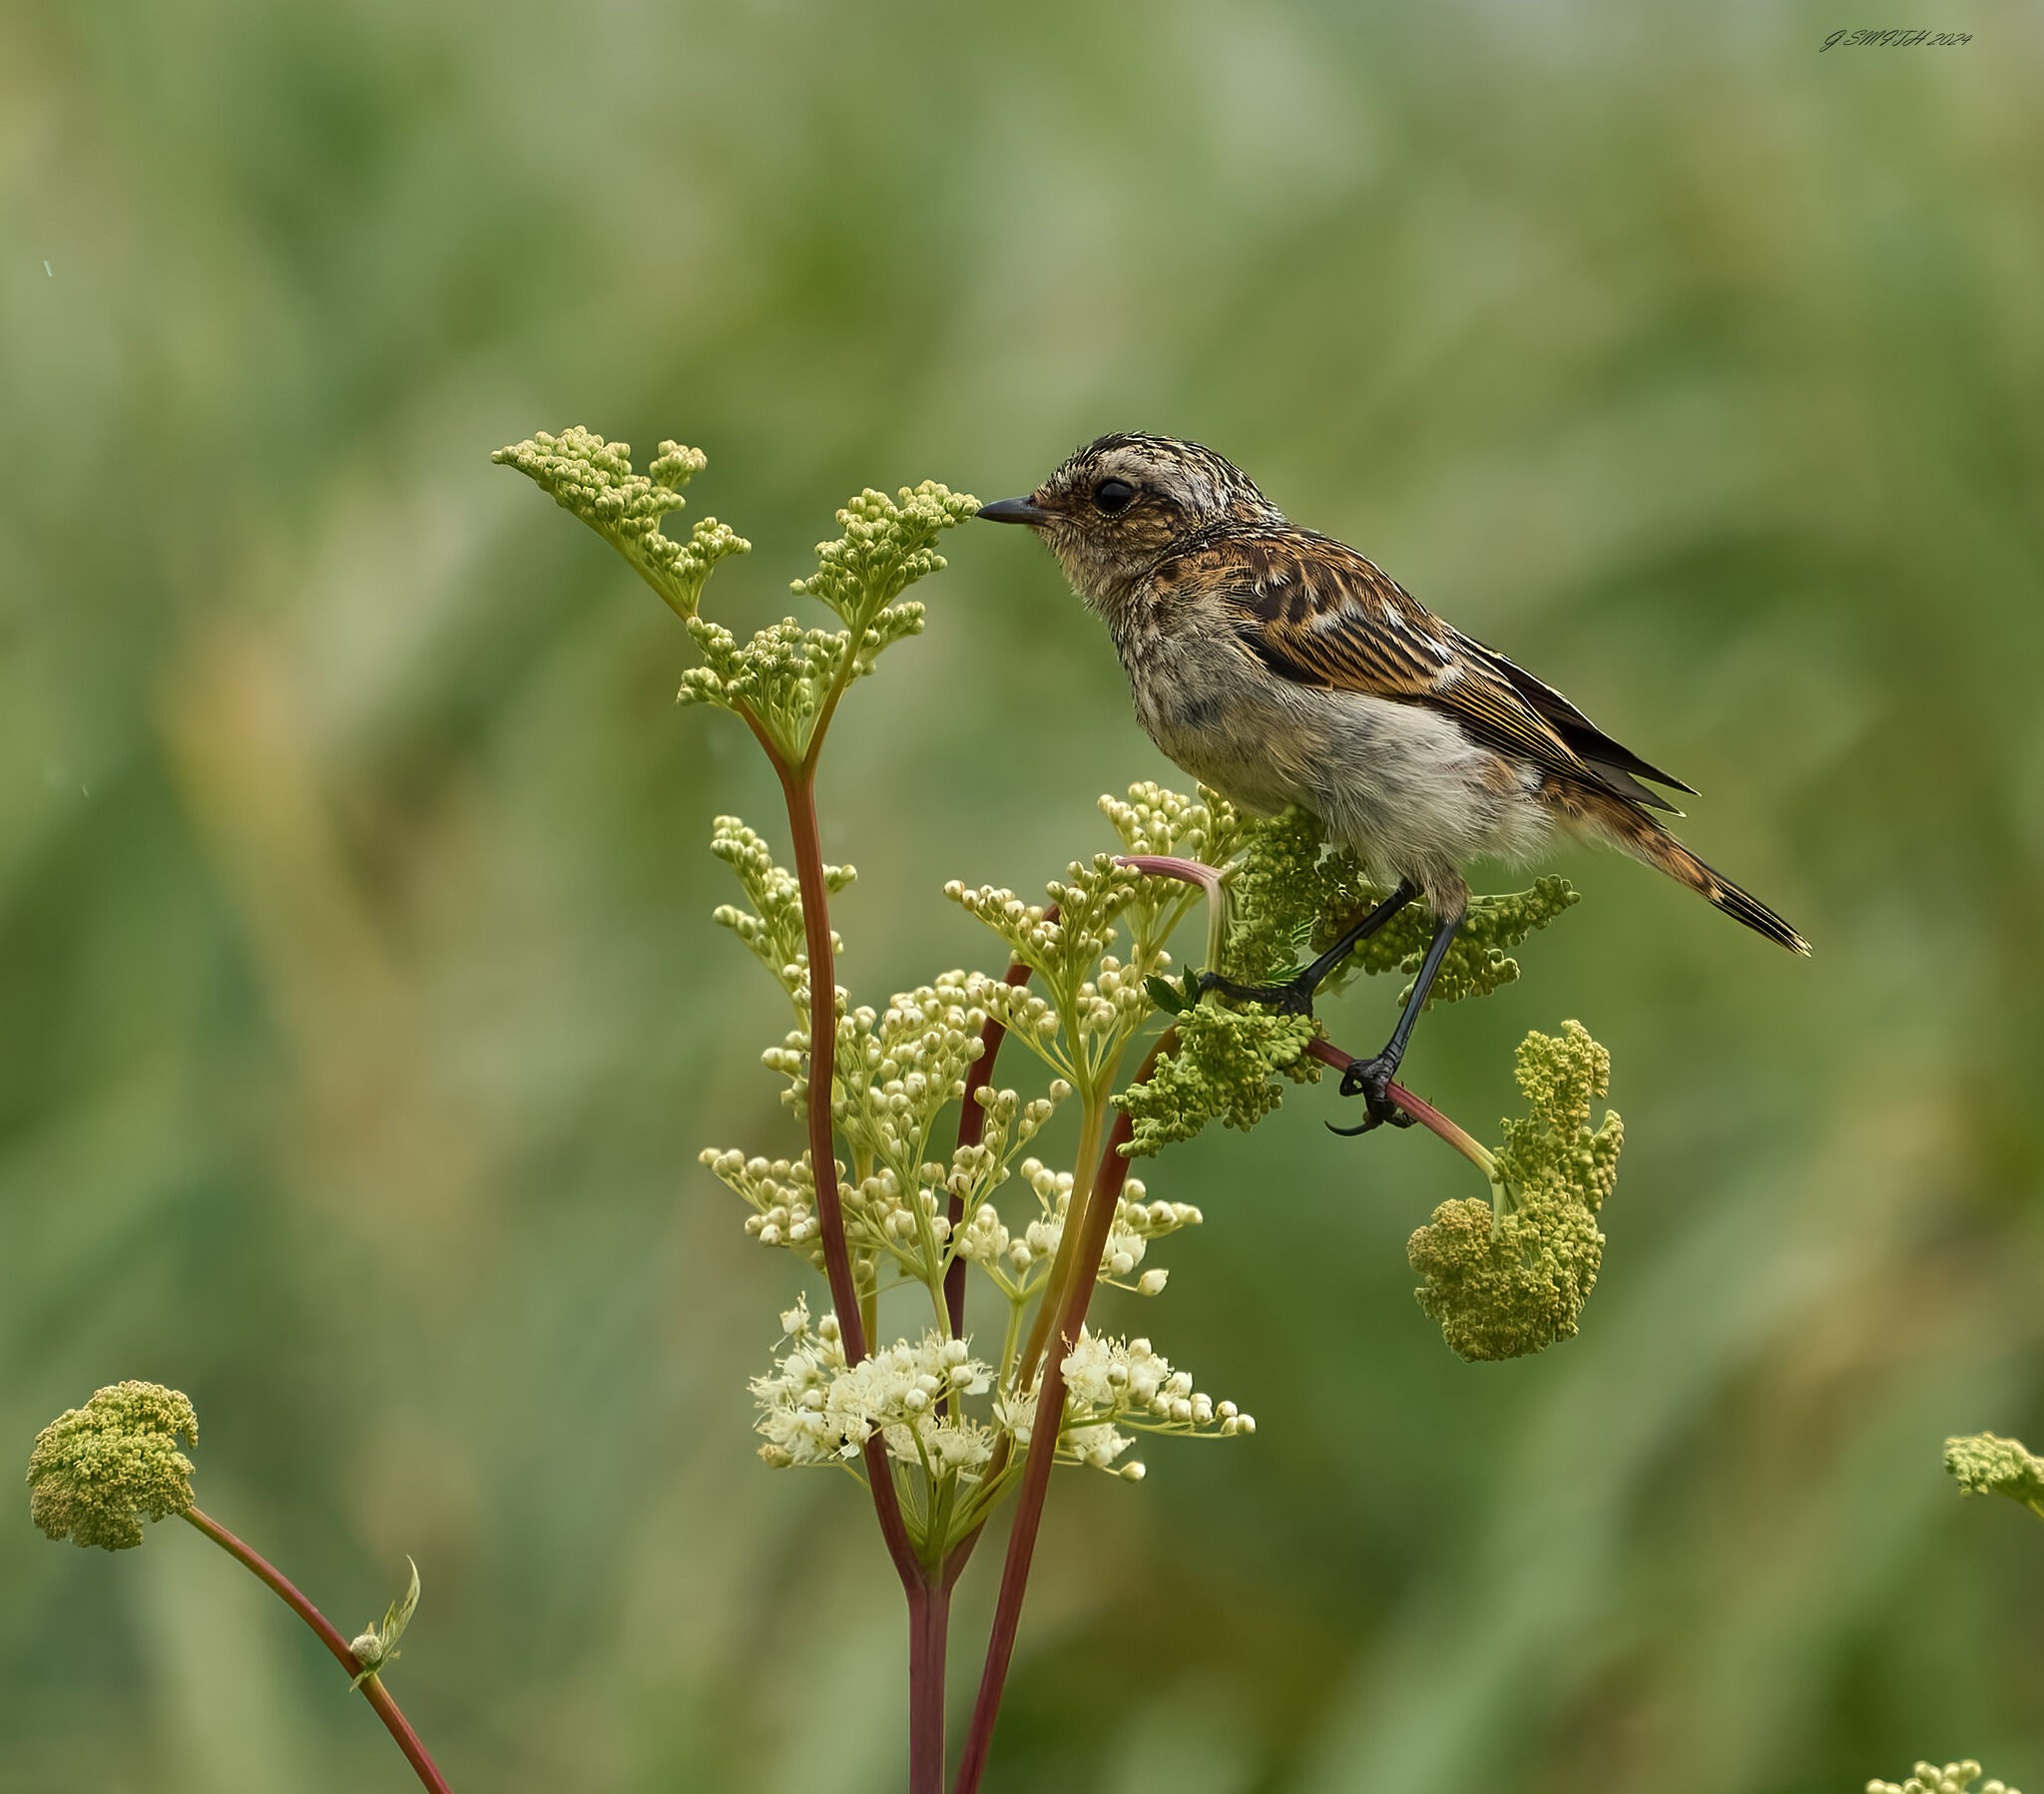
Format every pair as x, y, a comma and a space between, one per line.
1014, 510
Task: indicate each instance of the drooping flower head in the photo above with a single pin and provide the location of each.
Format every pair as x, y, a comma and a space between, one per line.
98, 1471
1987, 1464
1510, 1277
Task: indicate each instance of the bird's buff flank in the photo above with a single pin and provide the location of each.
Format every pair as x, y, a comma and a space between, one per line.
1283, 666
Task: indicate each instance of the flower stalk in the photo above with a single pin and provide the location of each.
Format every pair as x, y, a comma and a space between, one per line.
929, 1596
363, 1677
1422, 1112
1100, 1202
798, 786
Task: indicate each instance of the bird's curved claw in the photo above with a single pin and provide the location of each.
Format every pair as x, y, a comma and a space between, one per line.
1370, 1079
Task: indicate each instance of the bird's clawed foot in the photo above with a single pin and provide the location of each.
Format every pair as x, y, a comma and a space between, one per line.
1293, 999
1370, 1079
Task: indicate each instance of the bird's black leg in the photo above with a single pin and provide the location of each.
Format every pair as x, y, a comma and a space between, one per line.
1369, 1077
1298, 995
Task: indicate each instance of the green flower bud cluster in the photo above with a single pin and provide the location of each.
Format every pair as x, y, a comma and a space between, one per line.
1509, 1278
1953, 1778
1986, 1464
779, 678
1089, 1003
1281, 889
1224, 1067
595, 480
772, 927
97, 1473
1293, 898
888, 544
785, 678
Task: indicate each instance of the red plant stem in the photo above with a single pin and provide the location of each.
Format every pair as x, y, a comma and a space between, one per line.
371, 1686
1172, 865
1093, 1227
1423, 1112
929, 1619
798, 786
972, 1131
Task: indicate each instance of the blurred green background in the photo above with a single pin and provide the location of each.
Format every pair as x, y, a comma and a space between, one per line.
363, 1014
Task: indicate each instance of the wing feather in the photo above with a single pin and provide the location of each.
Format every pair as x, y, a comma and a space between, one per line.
1316, 612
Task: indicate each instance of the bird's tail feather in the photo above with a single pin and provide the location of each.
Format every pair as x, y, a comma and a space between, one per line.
1634, 832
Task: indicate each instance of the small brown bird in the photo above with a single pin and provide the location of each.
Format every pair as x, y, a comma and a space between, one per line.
1281, 667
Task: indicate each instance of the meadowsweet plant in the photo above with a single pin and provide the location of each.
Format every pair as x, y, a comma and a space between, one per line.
1953, 1778
1986, 1464
922, 1171
97, 1473
1982, 1463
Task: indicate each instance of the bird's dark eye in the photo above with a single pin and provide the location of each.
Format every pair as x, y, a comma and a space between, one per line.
1114, 496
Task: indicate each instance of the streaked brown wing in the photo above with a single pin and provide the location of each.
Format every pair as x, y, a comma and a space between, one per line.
1314, 611
1589, 742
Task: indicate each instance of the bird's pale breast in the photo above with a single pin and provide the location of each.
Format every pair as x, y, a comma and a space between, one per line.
1401, 784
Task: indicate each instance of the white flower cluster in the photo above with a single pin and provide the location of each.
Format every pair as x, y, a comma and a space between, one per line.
1115, 1002
814, 1409
900, 1068
782, 1193
1953, 1778
882, 1214
978, 1171
1033, 936
1113, 1383
1029, 1018
1152, 819
1110, 1384
1016, 1260
773, 928
1062, 946
1091, 1004
909, 1066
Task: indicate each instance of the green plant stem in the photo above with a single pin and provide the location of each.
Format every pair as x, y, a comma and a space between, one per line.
1102, 1200
324, 1629
1064, 1265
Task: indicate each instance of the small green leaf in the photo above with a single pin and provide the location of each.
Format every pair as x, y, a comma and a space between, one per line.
379, 1645
1165, 994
